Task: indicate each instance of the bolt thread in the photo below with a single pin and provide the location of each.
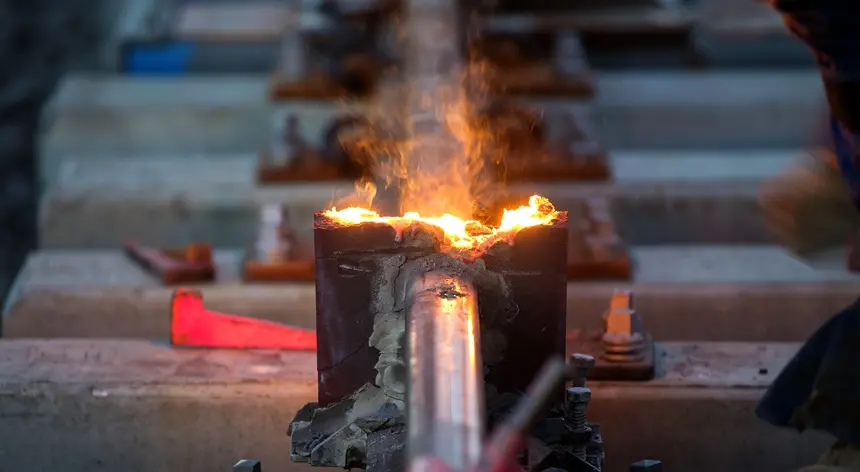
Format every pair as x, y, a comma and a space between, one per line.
578, 418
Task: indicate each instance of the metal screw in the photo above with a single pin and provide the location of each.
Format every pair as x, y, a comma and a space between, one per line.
647, 465
576, 404
577, 399
248, 465
581, 364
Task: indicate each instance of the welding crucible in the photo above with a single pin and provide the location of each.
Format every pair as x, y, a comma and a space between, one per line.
445, 390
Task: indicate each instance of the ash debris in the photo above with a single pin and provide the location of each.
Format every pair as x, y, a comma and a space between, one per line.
449, 292
337, 436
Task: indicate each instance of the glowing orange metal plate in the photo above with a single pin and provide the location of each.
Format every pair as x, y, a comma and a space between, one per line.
192, 325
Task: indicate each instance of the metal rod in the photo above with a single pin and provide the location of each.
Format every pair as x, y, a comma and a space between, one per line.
437, 162
446, 394
508, 438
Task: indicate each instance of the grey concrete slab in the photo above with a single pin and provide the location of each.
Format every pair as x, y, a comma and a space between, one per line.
685, 293
737, 32
718, 110
81, 92
633, 110
132, 405
236, 21
659, 198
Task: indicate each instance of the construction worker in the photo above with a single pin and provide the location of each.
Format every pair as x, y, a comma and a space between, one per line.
814, 206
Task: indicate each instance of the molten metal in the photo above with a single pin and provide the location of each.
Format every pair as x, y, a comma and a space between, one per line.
460, 234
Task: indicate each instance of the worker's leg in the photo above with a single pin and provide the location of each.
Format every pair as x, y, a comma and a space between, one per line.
820, 387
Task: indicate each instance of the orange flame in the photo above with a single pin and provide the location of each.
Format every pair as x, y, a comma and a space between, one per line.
460, 234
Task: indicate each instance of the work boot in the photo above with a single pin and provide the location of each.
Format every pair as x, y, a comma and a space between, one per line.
808, 207
841, 457
819, 387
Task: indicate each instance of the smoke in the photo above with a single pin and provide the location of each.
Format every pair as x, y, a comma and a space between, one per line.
424, 139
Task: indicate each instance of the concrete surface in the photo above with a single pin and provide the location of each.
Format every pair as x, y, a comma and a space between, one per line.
719, 110
76, 405
744, 33
689, 110
658, 198
79, 92
707, 293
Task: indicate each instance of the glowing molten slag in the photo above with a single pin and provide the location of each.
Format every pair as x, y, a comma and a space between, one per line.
460, 234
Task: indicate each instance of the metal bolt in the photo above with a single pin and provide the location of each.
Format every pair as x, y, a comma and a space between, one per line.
623, 333
248, 465
581, 364
647, 465
576, 404
577, 399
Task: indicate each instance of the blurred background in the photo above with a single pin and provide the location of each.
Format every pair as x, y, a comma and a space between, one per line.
89, 81
150, 144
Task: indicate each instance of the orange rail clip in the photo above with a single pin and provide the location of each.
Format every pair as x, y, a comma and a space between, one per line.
191, 324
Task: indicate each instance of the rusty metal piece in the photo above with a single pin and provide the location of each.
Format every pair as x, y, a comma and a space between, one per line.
189, 264
294, 159
518, 61
334, 54
278, 254
346, 142
536, 146
623, 350
248, 465
541, 145
596, 249
591, 342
